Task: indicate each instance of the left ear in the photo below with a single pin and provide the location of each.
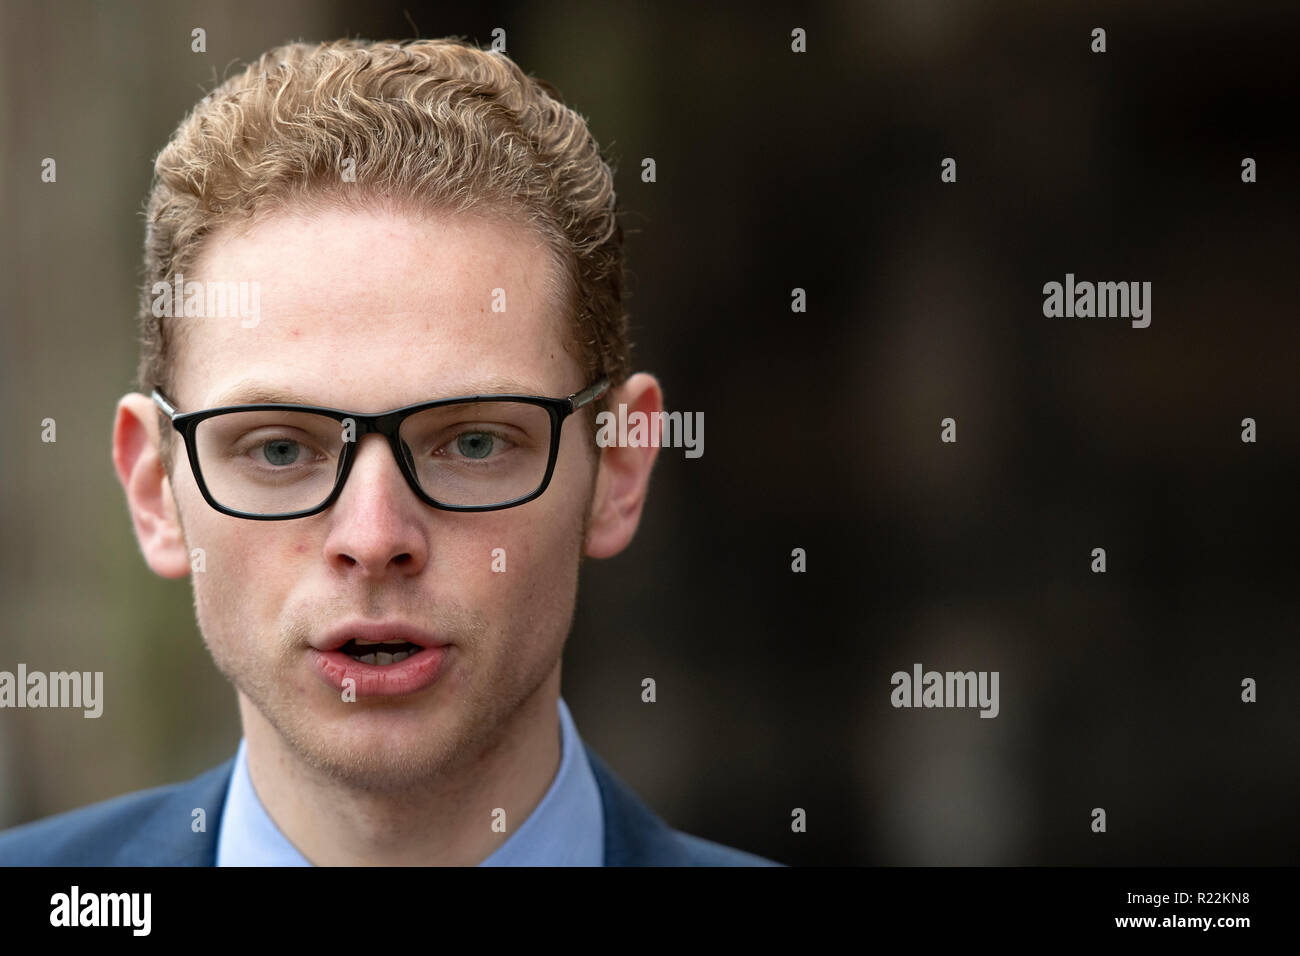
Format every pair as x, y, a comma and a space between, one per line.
624, 473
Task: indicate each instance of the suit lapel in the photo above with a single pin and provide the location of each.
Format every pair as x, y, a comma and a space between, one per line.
634, 836
167, 837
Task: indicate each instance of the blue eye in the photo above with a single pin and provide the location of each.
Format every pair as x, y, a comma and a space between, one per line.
281, 451
475, 444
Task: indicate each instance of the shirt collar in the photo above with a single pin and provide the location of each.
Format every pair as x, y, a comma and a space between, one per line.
566, 829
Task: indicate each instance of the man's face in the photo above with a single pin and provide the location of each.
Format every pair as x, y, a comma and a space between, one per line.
369, 312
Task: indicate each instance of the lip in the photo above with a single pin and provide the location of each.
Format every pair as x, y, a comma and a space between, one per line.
394, 631
414, 674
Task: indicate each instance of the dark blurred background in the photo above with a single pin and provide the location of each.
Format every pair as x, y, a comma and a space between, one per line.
779, 170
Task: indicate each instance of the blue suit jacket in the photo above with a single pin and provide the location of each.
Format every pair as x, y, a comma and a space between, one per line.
154, 828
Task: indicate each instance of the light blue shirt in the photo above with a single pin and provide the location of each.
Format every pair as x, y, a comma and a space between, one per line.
566, 829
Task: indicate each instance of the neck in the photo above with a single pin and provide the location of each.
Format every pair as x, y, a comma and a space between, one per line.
445, 820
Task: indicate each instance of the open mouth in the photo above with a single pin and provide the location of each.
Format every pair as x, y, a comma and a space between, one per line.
367, 659
381, 654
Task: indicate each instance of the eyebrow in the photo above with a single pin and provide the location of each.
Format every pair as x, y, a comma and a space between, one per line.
256, 393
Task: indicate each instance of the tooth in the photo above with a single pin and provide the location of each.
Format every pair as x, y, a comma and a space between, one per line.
367, 658
383, 659
400, 656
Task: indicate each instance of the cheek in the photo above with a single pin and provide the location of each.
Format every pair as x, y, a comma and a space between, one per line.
523, 564
245, 582
509, 560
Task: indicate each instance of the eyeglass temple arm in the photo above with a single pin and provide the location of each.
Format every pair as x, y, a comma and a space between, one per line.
168, 408
589, 395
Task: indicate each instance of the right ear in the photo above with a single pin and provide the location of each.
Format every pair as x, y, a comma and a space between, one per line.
148, 489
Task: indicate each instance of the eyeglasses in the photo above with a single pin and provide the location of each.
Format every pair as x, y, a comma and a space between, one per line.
474, 453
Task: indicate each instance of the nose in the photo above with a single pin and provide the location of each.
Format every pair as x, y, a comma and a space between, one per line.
377, 524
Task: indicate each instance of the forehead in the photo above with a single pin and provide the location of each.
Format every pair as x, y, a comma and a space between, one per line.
373, 309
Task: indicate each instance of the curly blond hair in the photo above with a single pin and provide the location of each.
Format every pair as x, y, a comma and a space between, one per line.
436, 124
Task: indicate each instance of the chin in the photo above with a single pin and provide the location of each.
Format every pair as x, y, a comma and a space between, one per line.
371, 744
376, 754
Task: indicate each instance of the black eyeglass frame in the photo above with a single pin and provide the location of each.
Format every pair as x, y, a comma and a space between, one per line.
386, 424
